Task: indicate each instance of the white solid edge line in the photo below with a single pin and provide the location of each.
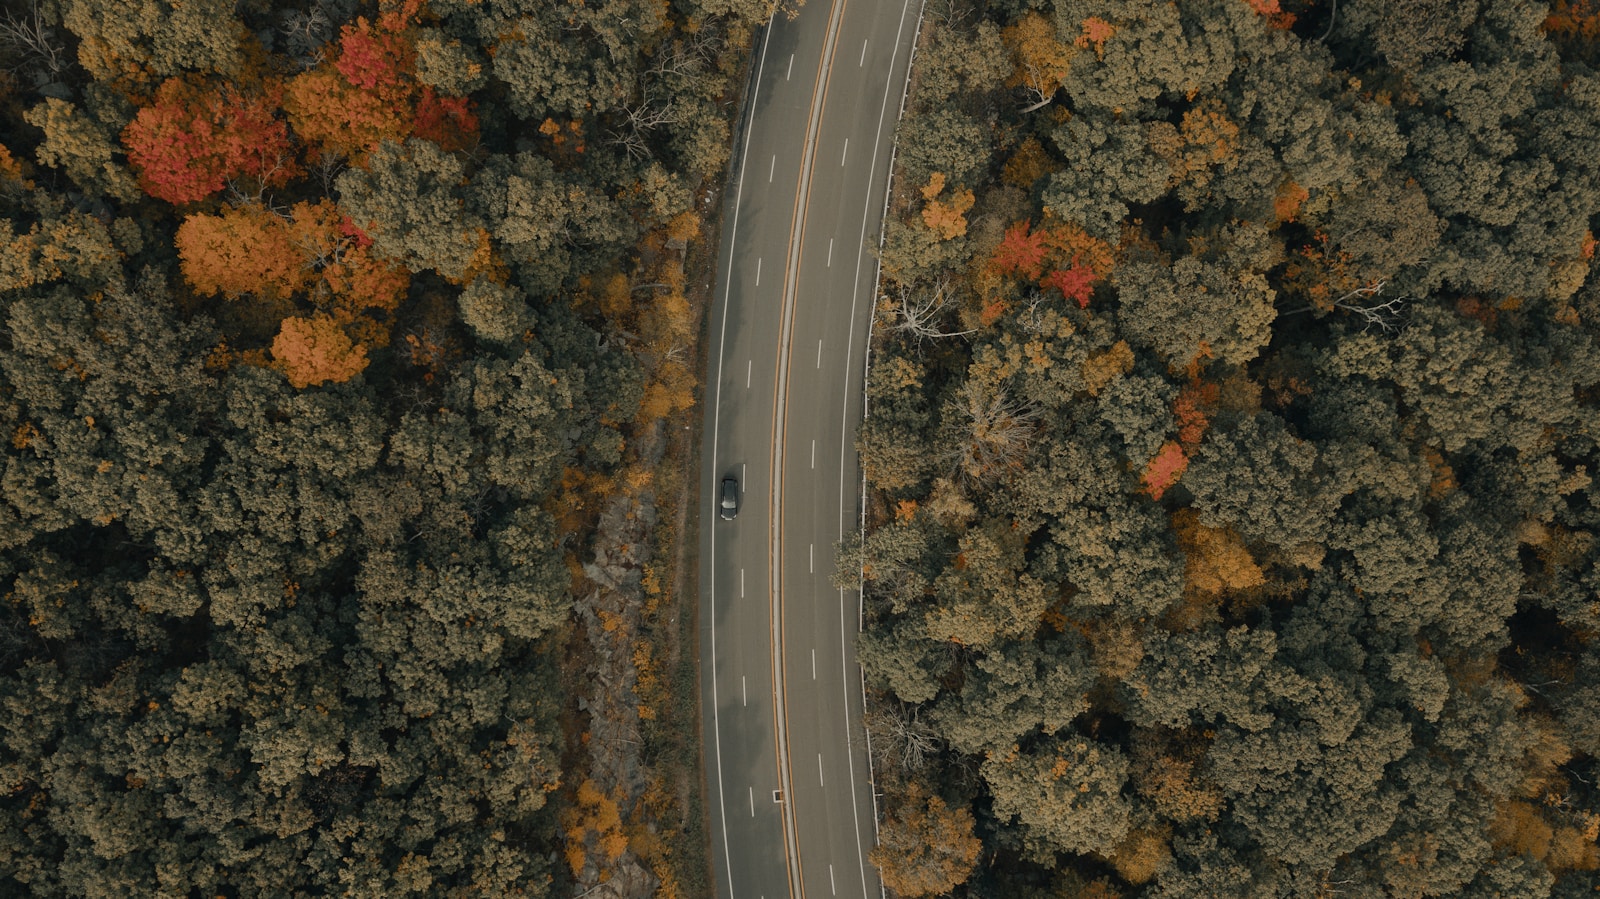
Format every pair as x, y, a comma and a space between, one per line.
716, 427
844, 423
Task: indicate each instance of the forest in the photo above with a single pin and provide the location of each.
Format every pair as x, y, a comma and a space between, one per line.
338, 506
1231, 447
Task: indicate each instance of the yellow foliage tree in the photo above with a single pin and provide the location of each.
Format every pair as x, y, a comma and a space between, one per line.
593, 812
1174, 790
946, 218
1041, 60
1102, 369
1141, 855
927, 849
1074, 247
1217, 559
1205, 138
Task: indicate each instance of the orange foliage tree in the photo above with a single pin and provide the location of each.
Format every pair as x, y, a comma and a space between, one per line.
244, 250
197, 136
1287, 200
1096, 31
315, 350
351, 279
1574, 20
315, 249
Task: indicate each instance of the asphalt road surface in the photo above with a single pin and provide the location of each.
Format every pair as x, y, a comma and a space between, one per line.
790, 800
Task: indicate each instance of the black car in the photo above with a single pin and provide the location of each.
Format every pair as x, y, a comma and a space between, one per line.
729, 506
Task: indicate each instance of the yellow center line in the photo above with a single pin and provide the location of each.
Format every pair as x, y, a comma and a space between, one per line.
819, 97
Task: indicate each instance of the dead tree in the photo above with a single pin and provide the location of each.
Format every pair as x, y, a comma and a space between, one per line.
1388, 315
632, 135
996, 432
918, 311
32, 42
899, 738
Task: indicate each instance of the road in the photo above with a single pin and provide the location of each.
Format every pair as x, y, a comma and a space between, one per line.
790, 801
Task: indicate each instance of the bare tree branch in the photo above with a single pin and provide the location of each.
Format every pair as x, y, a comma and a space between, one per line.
1033, 84
918, 310
32, 41
900, 738
997, 430
1388, 315
639, 121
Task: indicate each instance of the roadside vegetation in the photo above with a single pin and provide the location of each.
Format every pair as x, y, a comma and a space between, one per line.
345, 349
1231, 446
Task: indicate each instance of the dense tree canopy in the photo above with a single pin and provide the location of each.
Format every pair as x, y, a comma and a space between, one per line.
1231, 516
318, 351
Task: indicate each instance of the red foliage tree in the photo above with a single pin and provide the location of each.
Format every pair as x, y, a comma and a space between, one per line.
378, 61
1165, 468
195, 137
1190, 411
447, 121
1020, 251
1075, 283
370, 93
1273, 13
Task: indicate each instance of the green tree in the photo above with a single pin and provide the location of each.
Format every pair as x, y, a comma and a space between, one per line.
136, 40
1017, 690
1195, 310
84, 148
1065, 792
410, 200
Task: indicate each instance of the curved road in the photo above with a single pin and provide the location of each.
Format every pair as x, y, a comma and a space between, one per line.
791, 805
